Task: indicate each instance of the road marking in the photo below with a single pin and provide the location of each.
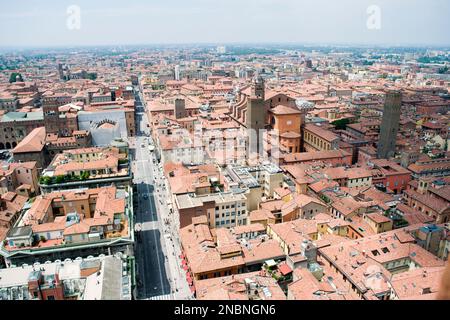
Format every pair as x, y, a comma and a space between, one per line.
149, 225
162, 297
142, 160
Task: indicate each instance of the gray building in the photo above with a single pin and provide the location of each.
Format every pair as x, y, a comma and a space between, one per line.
105, 126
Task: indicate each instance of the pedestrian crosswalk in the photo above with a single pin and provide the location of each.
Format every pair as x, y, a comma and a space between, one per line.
162, 297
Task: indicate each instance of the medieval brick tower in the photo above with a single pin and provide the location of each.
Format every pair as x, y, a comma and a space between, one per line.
54, 122
256, 116
389, 124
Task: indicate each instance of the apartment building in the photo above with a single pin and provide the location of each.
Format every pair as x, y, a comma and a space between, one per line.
181, 148
316, 138
257, 285
372, 263
68, 224
93, 278
207, 257
430, 196
223, 210
19, 177
15, 126
332, 157
88, 168
258, 182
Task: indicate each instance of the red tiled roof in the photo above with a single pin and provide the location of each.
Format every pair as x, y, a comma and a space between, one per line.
284, 269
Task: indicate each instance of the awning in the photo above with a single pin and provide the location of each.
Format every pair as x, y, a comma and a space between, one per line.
192, 288
271, 263
188, 278
284, 269
185, 267
183, 262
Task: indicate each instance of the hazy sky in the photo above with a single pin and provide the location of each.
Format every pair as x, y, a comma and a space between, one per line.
115, 22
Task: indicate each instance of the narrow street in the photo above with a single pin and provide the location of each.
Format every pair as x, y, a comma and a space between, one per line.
159, 272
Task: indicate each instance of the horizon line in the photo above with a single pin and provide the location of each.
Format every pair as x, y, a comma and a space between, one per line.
237, 43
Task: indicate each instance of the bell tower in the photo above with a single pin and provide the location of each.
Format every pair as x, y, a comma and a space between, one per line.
256, 116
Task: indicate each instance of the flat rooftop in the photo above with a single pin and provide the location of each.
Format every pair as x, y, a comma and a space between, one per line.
186, 201
22, 116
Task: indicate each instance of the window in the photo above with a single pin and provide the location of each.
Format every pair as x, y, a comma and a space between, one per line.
375, 252
385, 250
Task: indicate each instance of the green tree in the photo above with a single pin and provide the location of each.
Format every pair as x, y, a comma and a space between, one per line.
45, 180
60, 179
92, 76
14, 76
84, 175
443, 70
341, 124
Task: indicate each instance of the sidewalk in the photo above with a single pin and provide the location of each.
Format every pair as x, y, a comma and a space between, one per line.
178, 275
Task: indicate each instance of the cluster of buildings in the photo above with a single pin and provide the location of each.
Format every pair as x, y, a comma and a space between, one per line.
297, 178
66, 205
297, 175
